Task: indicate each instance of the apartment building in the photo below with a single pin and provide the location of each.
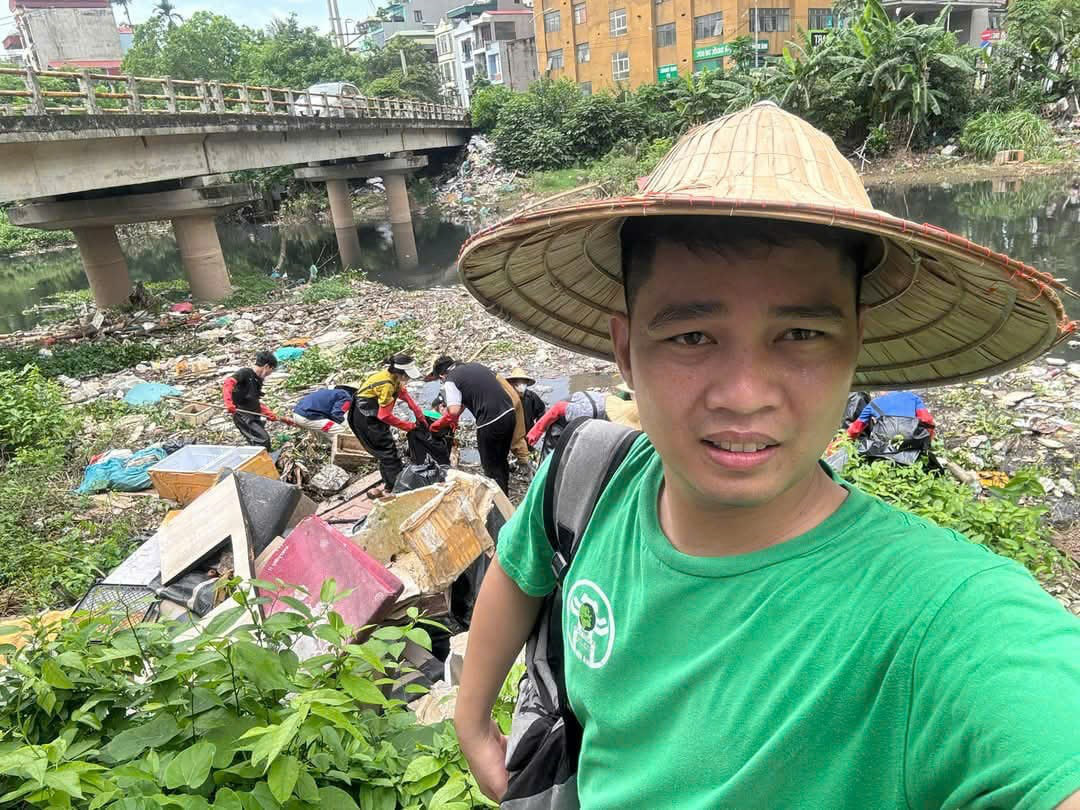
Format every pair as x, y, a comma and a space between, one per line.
607, 43
497, 44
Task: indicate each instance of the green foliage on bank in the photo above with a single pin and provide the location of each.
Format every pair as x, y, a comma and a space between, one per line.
81, 360
14, 239
991, 132
102, 714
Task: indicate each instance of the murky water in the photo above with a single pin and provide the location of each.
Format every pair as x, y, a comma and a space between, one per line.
1035, 220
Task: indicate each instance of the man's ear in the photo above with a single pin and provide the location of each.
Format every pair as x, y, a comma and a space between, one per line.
619, 329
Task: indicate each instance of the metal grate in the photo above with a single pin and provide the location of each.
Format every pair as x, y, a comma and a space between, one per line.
135, 603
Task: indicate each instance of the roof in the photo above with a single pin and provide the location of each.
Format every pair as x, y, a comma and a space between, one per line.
107, 65
508, 11
12, 42
124, 28
470, 9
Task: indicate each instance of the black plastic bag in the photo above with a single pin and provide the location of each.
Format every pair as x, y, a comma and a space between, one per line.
415, 476
856, 401
901, 439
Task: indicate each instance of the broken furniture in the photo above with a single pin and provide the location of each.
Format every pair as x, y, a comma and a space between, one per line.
348, 453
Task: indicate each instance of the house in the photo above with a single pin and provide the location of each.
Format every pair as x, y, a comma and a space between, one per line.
67, 34
482, 40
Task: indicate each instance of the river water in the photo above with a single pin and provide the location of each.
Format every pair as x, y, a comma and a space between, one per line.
1036, 220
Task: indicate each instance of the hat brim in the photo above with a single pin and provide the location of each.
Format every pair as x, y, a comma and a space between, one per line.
526, 380
410, 371
939, 308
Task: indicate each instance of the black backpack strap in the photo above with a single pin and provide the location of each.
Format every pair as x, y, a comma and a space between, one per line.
586, 447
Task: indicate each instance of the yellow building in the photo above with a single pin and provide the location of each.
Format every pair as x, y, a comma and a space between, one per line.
607, 43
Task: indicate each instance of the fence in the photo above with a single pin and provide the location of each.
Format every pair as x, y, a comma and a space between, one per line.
47, 92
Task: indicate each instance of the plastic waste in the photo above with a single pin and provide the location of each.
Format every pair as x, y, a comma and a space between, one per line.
121, 471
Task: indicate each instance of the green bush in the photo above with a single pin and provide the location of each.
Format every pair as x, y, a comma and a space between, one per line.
87, 359
103, 714
389, 340
999, 520
485, 105
31, 411
533, 129
991, 132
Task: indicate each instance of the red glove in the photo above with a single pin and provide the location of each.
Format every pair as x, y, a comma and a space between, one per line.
856, 428
446, 421
386, 414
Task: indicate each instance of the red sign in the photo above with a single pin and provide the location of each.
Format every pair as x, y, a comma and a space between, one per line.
992, 35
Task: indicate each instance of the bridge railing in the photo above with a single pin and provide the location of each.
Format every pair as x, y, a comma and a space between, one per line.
50, 92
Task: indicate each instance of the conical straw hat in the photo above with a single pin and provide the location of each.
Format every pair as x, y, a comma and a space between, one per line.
518, 373
940, 308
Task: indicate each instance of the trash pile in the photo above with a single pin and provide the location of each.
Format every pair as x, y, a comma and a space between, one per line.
426, 548
470, 195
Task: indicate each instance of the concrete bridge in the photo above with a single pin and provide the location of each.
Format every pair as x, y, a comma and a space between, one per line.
90, 151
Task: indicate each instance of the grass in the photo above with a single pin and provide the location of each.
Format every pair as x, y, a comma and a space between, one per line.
14, 239
82, 360
557, 180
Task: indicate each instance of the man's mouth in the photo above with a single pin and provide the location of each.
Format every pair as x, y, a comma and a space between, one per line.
740, 450
737, 447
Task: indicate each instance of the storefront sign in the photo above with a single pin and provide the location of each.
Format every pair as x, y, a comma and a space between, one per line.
666, 72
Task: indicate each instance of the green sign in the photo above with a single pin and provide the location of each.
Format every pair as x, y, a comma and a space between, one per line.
665, 72
708, 64
761, 45
712, 52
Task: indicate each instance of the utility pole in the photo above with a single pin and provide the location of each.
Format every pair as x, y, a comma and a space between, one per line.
336, 33
757, 32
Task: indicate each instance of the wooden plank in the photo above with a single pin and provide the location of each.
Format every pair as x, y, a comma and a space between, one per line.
211, 520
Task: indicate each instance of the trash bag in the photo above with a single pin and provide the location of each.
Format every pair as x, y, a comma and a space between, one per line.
149, 393
286, 354
856, 401
415, 476
901, 439
121, 471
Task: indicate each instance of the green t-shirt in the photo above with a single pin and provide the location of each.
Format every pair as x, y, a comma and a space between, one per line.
877, 661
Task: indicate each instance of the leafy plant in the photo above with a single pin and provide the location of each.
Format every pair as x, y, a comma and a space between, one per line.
87, 359
98, 713
991, 132
326, 289
389, 340
31, 411
14, 239
1002, 520
485, 105
311, 368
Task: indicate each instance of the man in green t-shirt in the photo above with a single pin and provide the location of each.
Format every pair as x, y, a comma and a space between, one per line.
742, 629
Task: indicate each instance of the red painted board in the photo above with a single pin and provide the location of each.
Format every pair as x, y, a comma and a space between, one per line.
315, 551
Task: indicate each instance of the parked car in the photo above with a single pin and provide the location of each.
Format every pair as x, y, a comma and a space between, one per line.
326, 99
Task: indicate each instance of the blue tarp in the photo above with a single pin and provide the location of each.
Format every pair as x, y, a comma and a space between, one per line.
149, 393
121, 471
287, 354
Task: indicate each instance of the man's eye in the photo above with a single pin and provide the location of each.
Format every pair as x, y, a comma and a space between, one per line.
690, 339
801, 334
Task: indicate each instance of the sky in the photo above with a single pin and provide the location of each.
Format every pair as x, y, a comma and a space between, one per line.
258, 15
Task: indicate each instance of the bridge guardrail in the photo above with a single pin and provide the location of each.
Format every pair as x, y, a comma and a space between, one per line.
85, 92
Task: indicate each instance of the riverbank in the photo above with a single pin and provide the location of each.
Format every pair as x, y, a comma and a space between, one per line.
1021, 426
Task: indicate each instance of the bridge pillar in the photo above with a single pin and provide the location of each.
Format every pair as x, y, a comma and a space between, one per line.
105, 265
393, 172
344, 223
200, 253
397, 199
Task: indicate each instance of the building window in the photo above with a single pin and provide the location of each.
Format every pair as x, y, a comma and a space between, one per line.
586, 88
583, 52
493, 67
618, 22
552, 21
764, 20
555, 60
466, 49
821, 18
443, 45
505, 31
579, 14
665, 35
620, 65
709, 25
418, 16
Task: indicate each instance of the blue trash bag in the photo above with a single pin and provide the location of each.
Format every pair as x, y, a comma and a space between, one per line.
149, 393
286, 354
121, 471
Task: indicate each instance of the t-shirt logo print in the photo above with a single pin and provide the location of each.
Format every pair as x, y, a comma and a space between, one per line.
589, 623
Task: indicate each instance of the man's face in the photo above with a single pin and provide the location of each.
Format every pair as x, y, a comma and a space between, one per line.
741, 366
264, 371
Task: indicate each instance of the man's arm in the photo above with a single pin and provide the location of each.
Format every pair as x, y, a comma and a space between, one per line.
503, 617
538, 430
448, 419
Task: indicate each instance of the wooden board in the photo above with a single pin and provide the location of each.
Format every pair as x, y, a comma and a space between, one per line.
347, 452
211, 520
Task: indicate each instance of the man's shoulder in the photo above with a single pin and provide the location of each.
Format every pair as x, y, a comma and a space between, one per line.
244, 375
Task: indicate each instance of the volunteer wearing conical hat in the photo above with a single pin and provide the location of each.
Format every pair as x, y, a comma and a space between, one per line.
742, 628
531, 402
